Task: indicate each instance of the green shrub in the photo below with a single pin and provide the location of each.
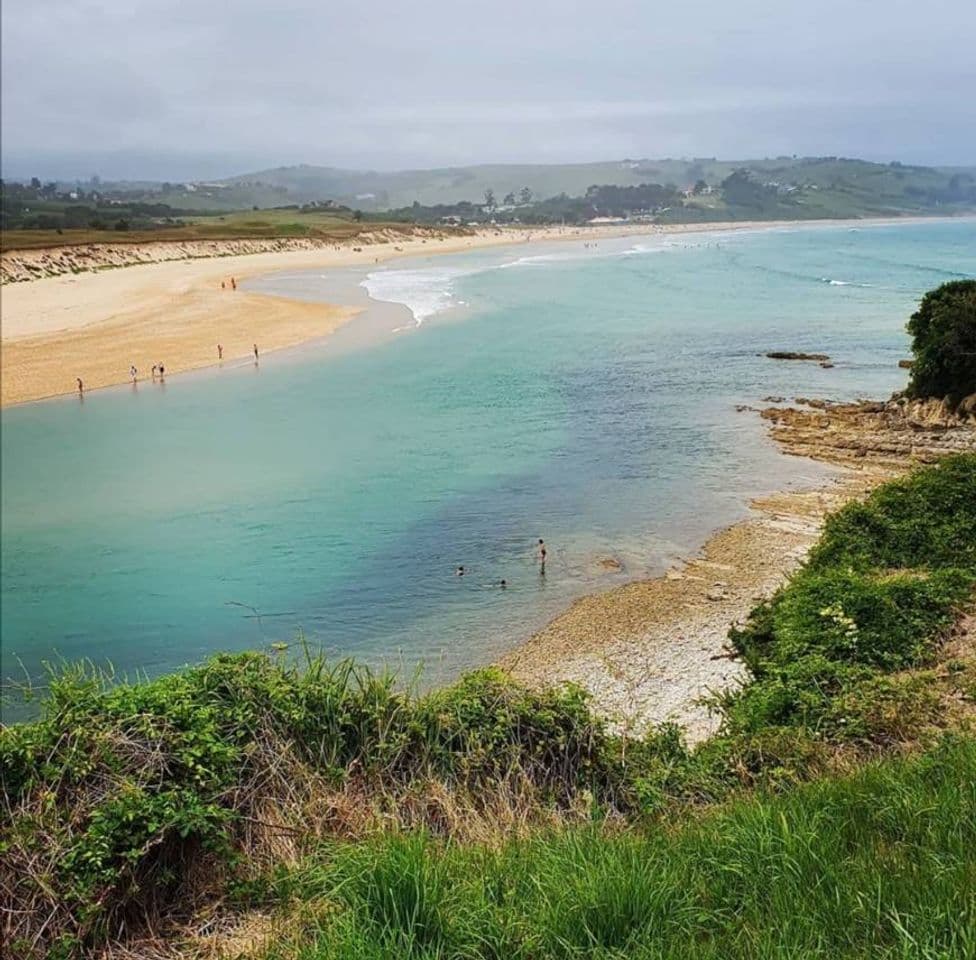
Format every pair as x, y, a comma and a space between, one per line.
943, 333
878, 590
117, 789
926, 520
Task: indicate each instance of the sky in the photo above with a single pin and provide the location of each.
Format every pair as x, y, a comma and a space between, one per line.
147, 89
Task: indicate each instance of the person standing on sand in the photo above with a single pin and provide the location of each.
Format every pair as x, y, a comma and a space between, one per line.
220, 352
255, 353
223, 286
233, 284
162, 371
133, 372
81, 386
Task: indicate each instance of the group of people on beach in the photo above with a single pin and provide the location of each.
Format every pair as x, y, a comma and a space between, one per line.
502, 584
159, 369
233, 284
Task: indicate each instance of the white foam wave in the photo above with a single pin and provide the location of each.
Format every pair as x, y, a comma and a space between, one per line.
429, 291
423, 292
842, 283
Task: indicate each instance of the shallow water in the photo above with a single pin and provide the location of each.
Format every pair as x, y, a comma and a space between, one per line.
584, 395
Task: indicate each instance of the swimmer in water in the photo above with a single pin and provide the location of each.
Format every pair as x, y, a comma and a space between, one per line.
459, 572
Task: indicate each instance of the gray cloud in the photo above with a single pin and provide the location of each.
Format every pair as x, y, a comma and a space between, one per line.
180, 89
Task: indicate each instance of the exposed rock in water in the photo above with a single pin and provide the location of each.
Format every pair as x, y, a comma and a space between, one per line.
826, 364
787, 355
906, 364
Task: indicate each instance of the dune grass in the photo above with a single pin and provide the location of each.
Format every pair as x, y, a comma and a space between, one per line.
244, 225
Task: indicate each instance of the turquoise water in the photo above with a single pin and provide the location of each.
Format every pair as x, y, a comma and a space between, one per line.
584, 395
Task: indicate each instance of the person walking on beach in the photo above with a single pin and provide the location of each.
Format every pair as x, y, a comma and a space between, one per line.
255, 353
81, 387
220, 352
542, 557
233, 284
162, 371
133, 372
154, 369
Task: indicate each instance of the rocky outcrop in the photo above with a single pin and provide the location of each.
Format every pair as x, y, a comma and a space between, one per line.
786, 355
893, 433
967, 407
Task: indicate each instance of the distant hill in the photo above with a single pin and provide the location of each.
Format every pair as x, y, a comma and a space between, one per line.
844, 186
373, 190
695, 190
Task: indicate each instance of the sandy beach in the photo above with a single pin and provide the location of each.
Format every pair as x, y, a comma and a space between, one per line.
94, 325
92, 313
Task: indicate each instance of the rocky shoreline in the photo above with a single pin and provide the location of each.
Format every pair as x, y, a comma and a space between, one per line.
889, 434
650, 652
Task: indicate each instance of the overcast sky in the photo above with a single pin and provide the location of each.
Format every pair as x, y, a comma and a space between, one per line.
177, 89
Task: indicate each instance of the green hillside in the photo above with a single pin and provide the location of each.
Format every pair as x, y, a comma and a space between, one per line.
292, 200
836, 186
833, 186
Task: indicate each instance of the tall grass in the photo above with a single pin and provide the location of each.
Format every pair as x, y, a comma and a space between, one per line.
123, 802
882, 864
